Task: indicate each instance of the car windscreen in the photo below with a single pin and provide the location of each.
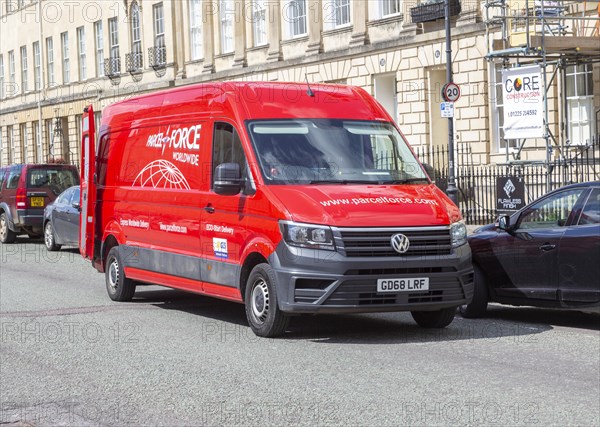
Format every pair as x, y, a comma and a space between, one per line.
324, 151
57, 179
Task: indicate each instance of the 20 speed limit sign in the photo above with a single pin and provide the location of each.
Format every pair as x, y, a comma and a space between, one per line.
451, 92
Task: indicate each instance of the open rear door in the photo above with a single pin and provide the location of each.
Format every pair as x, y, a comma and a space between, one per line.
88, 185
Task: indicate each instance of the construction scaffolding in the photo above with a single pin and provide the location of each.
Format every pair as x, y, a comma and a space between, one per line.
563, 39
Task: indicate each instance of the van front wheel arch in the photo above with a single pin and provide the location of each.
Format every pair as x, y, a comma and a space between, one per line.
262, 309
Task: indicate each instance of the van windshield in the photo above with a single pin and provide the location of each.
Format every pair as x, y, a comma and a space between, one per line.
324, 151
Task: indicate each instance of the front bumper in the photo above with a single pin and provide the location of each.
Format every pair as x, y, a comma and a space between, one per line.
315, 281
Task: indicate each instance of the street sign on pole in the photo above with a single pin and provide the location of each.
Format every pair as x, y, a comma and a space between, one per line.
451, 92
447, 109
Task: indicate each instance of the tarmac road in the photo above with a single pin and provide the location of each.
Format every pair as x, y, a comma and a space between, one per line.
70, 356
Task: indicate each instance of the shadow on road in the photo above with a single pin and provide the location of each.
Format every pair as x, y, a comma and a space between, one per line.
380, 328
544, 316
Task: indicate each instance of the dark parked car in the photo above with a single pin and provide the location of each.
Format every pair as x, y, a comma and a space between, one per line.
61, 220
25, 190
546, 255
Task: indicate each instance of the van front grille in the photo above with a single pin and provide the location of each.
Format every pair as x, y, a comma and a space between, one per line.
376, 242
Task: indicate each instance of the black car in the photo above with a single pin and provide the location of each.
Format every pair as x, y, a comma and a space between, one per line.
61, 220
545, 255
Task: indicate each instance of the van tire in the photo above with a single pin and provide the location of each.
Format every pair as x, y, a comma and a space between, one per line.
478, 306
119, 287
50, 238
434, 319
262, 309
6, 234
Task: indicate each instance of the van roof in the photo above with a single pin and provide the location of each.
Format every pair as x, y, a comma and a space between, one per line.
248, 101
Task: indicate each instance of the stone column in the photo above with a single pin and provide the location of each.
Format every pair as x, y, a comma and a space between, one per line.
314, 17
209, 10
360, 12
274, 30
178, 39
239, 34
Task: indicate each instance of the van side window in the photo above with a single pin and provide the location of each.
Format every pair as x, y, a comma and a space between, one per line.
227, 148
13, 178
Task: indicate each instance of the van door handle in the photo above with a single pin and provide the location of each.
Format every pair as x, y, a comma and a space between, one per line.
209, 208
547, 247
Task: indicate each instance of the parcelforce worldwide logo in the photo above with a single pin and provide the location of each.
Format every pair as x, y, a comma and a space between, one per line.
400, 243
184, 143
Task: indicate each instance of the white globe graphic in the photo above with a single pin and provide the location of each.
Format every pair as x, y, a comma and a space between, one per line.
161, 174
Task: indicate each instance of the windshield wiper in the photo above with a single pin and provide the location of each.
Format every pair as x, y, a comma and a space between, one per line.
407, 181
342, 181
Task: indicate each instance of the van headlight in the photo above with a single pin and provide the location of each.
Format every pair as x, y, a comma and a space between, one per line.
307, 235
458, 232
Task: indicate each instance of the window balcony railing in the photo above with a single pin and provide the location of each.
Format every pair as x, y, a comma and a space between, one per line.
157, 57
112, 67
427, 11
134, 62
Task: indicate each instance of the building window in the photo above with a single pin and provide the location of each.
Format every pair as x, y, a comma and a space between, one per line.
113, 38
10, 143
66, 63
336, 13
259, 22
50, 61
497, 111
159, 25
23, 132
24, 83
196, 29
1, 77
227, 15
136, 37
37, 66
296, 14
99, 37
390, 7
11, 67
81, 53
36, 145
580, 104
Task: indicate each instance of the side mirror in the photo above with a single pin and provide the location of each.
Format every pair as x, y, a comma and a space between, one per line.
430, 171
504, 223
77, 206
228, 179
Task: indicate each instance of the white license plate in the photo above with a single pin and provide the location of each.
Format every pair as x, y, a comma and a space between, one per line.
411, 284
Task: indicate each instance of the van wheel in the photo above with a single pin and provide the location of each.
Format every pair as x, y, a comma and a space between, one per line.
263, 313
478, 306
50, 239
434, 319
6, 234
119, 287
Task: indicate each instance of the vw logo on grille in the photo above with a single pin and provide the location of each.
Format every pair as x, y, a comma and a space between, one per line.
400, 243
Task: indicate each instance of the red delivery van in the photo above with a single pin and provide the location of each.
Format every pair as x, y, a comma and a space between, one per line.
287, 198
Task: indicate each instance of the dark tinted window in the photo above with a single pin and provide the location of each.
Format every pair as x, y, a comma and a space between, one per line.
74, 196
227, 148
553, 211
591, 210
13, 178
58, 179
2, 175
63, 199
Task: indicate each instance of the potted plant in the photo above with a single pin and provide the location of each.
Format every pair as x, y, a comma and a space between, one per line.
430, 10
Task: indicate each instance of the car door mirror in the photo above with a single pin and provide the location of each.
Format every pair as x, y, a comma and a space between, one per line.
76, 205
504, 223
228, 179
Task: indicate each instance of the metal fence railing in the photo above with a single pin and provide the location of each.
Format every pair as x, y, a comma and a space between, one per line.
477, 183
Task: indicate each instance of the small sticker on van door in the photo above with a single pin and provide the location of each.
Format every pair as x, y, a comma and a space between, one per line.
220, 248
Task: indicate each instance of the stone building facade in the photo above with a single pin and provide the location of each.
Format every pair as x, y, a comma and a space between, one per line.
58, 56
